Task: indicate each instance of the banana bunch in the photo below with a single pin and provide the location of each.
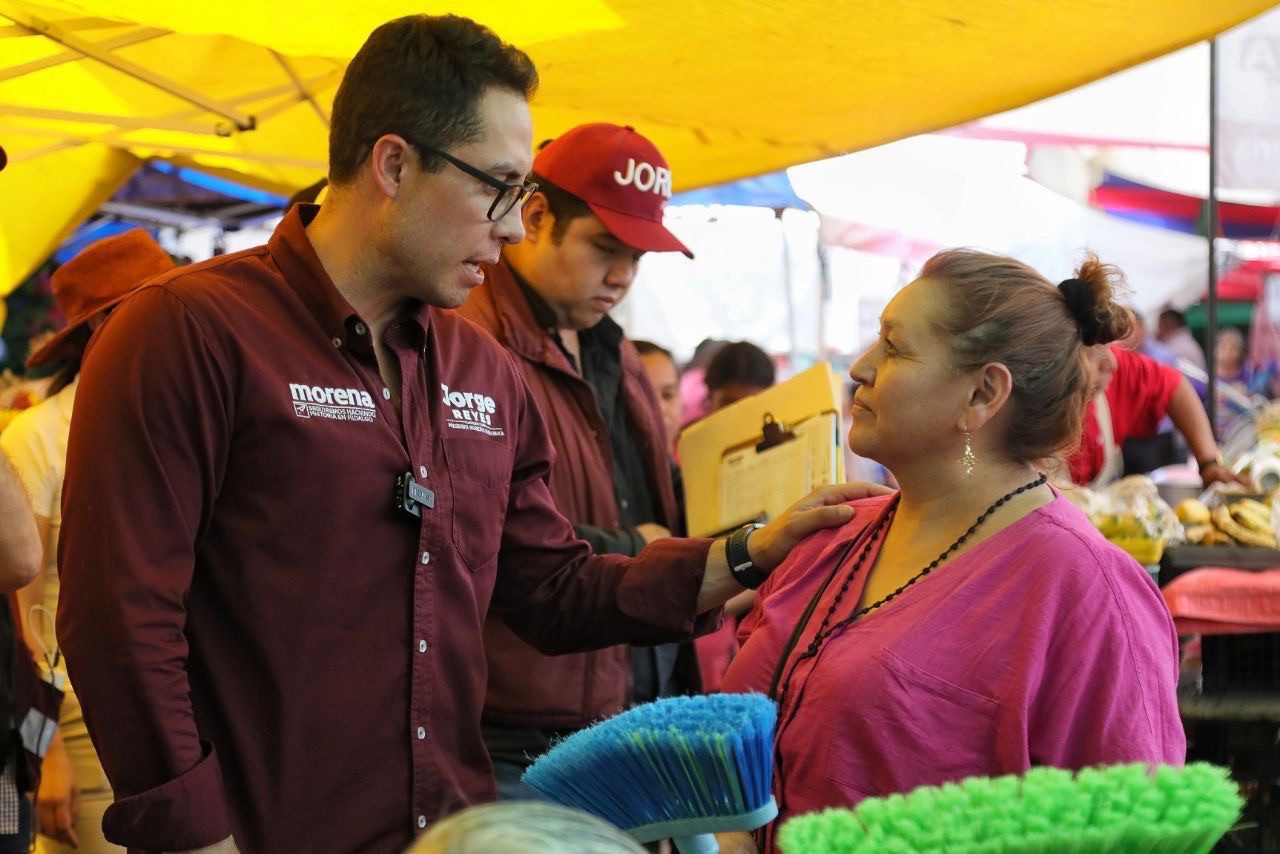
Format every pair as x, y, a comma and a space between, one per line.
1245, 521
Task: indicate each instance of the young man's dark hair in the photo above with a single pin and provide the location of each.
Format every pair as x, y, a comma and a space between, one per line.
421, 77
1173, 318
646, 348
740, 362
564, 206
308, 194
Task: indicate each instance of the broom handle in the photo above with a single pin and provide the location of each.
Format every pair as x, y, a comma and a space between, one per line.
700, 843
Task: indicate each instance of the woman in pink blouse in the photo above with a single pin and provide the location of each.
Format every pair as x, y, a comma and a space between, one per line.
974, 623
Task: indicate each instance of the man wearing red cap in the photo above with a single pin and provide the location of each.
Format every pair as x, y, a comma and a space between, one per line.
296, 486
601, 193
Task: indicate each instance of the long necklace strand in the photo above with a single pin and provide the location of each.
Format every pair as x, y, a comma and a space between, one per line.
824, 632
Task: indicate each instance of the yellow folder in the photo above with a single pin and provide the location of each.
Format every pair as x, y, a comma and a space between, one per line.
732, 476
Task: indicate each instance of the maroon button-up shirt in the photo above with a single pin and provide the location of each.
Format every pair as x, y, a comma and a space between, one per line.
261, 643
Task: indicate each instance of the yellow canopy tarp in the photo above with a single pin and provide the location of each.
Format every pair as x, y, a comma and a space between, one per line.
89, 89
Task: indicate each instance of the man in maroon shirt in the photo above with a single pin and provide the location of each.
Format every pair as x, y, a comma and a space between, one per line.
295, 486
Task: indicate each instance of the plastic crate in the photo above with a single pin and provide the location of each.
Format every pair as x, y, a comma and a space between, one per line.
1235, 663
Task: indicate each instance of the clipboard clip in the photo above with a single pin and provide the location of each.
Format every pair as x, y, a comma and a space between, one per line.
773, 433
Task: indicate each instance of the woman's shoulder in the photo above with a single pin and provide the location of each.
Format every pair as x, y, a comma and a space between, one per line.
816, 550
1075, 555
865, 513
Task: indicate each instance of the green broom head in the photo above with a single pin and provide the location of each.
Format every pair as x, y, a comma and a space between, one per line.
675, 767
1121, 808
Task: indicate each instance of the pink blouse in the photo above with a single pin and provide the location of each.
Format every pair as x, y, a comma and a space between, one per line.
1043, 645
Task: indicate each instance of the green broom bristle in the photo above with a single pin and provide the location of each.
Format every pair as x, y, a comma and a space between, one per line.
1121, 808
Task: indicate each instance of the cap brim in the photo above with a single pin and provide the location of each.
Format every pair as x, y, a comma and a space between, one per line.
639, 233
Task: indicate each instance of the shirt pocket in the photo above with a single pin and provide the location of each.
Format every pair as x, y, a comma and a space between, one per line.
480, 471
909, 728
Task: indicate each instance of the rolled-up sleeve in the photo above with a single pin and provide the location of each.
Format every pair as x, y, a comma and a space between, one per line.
562, 598
147, 450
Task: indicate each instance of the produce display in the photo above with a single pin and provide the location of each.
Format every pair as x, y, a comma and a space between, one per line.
1233, 520
1131, 514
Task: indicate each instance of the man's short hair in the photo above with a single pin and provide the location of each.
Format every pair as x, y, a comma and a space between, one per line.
740, 362
422, 77
564, 206
648, 348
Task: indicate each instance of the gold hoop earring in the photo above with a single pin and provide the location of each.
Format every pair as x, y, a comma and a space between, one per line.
967, 459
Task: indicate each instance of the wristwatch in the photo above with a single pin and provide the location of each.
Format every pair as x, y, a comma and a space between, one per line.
743, 570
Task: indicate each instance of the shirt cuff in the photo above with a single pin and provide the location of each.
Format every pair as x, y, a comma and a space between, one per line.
662, 585
189, 811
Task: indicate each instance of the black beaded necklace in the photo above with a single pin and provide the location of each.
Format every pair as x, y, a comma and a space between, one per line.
824, 632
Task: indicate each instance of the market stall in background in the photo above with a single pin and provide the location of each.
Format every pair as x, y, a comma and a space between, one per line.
808, 206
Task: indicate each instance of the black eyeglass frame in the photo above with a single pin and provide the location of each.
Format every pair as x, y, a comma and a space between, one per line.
519, 194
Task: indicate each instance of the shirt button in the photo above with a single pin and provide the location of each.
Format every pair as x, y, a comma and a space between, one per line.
337, 342
386, 394
422, 646
422, 822
426, 557
360, 330
422, 471
422, 733
625, 504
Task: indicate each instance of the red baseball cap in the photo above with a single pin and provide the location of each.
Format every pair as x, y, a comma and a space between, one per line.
621, 176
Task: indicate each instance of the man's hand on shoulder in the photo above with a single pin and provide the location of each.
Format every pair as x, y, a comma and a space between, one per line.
822, 508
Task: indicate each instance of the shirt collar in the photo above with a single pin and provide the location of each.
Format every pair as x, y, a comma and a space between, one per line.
543, 314
302, 269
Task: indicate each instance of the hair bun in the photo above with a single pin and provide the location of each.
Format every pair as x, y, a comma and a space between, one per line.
1080, 303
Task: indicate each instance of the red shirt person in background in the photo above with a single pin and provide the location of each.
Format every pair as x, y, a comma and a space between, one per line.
1135, 393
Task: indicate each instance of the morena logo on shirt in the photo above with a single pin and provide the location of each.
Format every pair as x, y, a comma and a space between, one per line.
471, 410
336, 404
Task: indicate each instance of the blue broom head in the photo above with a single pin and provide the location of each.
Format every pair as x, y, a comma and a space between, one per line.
1120, 808
672, 767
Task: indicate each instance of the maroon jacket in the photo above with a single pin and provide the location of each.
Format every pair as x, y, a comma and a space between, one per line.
527, 688
261, 643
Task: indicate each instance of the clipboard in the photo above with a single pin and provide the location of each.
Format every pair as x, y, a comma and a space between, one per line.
752, 460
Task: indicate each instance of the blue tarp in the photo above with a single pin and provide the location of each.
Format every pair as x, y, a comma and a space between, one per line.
766, 191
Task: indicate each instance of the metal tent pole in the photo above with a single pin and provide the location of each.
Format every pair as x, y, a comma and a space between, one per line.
1211, 313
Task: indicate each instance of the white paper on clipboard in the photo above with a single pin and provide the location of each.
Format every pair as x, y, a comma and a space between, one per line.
808, 404
760, 485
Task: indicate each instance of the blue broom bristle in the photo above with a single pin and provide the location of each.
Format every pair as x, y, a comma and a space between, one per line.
675, 758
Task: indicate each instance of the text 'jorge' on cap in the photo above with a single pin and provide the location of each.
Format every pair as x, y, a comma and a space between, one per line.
621, 176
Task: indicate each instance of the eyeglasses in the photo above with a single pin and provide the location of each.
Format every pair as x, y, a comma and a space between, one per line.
509, 195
